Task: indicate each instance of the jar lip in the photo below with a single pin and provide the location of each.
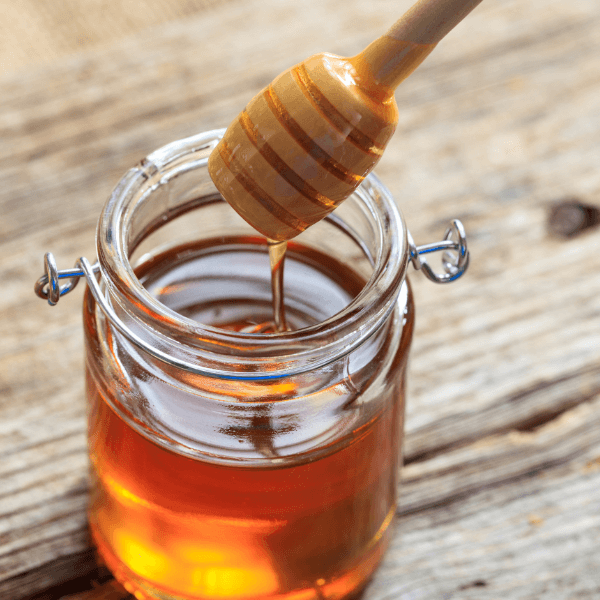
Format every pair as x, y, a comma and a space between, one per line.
213, 351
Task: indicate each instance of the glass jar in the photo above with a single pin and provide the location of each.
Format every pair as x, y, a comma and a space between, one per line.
227, 462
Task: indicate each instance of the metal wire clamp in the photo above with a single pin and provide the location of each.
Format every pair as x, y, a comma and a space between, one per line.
455, 261
48, 287
455, 257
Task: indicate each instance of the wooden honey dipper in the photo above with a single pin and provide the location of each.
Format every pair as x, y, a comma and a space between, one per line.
304, 143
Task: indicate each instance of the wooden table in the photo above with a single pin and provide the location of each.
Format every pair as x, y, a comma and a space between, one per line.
501, 492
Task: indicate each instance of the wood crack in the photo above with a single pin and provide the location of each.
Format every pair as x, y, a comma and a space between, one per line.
526, 410
80, 571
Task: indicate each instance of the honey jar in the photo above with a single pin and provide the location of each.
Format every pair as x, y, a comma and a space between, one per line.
226, 462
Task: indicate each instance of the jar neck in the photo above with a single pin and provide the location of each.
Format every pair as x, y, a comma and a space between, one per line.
171, 186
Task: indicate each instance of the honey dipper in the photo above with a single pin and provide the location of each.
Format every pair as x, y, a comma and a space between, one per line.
304, 143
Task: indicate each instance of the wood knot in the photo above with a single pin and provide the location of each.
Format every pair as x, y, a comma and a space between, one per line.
571, 217
473, 584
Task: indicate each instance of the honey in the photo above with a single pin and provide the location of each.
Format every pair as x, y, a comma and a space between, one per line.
275, 513
174, 526
277, 252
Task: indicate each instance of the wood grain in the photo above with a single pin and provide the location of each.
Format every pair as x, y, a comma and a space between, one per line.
33, 32
500, 497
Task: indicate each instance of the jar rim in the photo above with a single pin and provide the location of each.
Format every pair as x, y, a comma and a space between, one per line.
216, 352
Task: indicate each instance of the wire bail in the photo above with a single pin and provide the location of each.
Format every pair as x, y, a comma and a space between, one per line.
455, 257
455, 260
48, 287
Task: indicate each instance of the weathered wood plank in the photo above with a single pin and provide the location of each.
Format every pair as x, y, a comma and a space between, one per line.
77, 573
34, 32
537, 538
494, 127
478, 522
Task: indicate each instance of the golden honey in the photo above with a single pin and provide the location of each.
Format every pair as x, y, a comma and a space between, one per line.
307, 526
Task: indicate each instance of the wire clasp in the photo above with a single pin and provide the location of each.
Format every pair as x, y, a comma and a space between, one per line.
455, 257
48, 287
455, 261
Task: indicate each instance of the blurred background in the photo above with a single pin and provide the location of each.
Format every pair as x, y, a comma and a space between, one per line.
34, 32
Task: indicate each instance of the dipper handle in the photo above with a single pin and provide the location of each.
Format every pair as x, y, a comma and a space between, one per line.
304, 143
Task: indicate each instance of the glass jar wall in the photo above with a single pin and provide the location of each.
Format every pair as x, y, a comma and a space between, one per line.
249, 465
